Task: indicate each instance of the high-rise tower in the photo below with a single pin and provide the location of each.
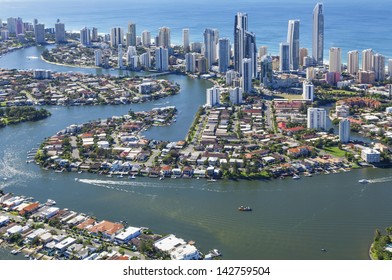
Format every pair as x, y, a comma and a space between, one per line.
318, 34
240, 27
293, 40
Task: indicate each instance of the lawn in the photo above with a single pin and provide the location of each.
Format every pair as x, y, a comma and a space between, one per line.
335, 151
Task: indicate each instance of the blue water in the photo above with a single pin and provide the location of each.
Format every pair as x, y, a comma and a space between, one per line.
352, 24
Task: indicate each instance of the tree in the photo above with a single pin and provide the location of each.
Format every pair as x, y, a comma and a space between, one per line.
377, 235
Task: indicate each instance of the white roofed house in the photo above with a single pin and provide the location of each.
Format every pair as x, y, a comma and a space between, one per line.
126, 235
177, 248
64, 244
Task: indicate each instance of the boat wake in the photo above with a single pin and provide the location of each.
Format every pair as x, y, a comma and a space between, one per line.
380, 180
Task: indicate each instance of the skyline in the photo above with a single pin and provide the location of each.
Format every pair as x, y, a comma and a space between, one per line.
270, 34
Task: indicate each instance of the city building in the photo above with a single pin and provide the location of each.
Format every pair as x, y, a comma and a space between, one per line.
211, 37
60, 33
379, 67
342, 111
246, 80
39, 33
367, 60
388, 110
236, 95
335, 60
130, 37
366, 77
11, 25
190, 62
317, 118
185, 40
310, 73
196, 47
164, 37
263, 50
344, 131
293, 41
353, 62
94, 34
146, 38
308, 91
85, 36
318, 34
120, 57
162, 59
224, 54
284, 54
240, 27
98, 57
266, 74
213, 96
116, 36
231, 75
145, 60
201, 65
370, 155
4, 35
390, 68
251, 51
303, 52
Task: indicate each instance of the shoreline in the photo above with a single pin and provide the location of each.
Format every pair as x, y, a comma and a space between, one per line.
70, 65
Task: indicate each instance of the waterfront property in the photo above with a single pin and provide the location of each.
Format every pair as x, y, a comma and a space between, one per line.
65, 234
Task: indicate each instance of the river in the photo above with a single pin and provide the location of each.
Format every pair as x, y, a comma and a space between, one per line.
292, 219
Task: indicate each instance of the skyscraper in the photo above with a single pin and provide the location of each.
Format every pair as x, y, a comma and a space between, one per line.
353, 62
266, 74
94, 34
116, 36
145, 60
379, 67
146, 38
39, 32
164, 37
212, 96
251, 51
185, 39
98, 57
11, 25
190, 62
59, 33
240, 27
246, 75
161, 59
120, 57
224, 54
131, 35
317, 118
308, 91
318, 34
390, 68
367, 60
235, 95
19, 26
211, 37
293, 40
344, 131
85, 36
335, 60
284, 53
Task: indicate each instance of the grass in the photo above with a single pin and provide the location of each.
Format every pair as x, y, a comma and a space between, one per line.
335, 151
289, 96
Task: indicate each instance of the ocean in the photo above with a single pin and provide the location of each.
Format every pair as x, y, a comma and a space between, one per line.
352, 24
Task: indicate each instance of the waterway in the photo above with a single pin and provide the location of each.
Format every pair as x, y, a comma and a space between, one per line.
292, 219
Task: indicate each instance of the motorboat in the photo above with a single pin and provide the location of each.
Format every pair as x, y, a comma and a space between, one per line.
50, 202
244, 208
296, 177
363, 181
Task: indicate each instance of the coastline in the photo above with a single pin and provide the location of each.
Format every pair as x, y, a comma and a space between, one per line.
70, 65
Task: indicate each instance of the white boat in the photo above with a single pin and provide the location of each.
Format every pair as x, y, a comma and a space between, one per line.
308, 175
76, 179
132, 177
5, 178
80, 172
161, 178
211, 180
50, 202
198, 178
296, 177
363, 181
14, 252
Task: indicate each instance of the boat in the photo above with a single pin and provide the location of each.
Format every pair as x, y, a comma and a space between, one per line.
14, 252
296, 177
161, 178
197, 178
132, 177
363, 181
216, 252
244, 208
308, 175
324, 250
76, 179
211, 180
5, 178
110, 176
174, 177
50, 202
120, 176
80, 172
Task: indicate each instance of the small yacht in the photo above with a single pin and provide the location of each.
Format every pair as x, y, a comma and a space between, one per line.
50, 202
296, 177
363, 181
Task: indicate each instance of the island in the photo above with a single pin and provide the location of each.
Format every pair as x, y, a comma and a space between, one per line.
14, 115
